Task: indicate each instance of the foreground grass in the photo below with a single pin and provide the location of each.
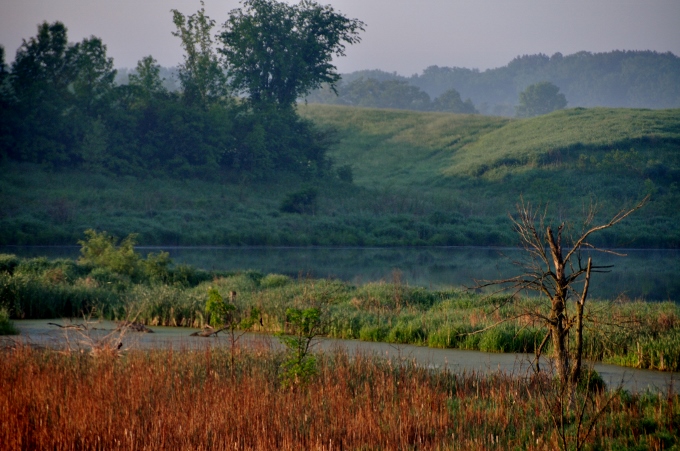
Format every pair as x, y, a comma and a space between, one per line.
197, 400
630, 333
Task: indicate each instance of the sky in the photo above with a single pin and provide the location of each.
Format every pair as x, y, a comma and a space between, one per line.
403, 36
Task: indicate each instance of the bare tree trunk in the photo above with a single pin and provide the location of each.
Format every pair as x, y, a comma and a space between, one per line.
559, 339
578, 353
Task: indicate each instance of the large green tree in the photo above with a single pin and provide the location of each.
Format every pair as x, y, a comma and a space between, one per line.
540, 98
276, 53
59, 87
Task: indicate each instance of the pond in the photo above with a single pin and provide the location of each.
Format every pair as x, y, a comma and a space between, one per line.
646, 274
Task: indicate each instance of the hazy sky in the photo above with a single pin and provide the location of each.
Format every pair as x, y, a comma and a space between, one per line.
404, 36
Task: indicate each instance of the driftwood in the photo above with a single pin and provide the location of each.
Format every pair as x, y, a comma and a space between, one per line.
134, 327
207, 332
70, 326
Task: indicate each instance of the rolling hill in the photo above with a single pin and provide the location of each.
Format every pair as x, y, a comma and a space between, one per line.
418, 179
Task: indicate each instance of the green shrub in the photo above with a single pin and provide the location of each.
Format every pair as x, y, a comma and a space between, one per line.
102, 249
156, 267
301, 202
8, 262
7, 327
274, 281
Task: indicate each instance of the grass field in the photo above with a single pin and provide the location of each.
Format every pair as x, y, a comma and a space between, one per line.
180, 399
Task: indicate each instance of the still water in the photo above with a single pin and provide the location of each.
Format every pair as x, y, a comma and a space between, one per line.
647, 274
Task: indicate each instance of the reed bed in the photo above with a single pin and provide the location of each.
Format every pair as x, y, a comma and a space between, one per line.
195, 399
622, 332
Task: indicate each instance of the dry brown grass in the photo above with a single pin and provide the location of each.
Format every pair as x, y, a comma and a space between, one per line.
188, 400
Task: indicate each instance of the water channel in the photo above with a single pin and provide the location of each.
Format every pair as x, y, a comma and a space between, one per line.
42, 333
642, 274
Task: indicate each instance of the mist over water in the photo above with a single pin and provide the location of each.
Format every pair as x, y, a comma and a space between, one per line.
642, 274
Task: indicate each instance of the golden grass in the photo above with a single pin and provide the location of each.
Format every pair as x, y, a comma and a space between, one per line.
188, 400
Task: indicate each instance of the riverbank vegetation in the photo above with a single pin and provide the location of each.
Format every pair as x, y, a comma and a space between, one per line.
211, 398
155, 292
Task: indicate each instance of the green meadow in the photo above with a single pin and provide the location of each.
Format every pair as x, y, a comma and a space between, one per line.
414, 179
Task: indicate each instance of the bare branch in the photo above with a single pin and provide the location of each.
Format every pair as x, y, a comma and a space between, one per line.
620, 216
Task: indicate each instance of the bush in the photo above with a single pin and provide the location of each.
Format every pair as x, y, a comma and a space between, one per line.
8, 262
101, 249
274, 281
300, 202
6, 326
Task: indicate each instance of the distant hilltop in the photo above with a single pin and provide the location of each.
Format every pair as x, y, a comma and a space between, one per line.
628, 79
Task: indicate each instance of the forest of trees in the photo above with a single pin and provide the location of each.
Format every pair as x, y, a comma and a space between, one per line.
633, 79
60, 105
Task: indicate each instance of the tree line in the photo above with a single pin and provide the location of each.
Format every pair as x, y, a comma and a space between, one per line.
631, 79
235, 109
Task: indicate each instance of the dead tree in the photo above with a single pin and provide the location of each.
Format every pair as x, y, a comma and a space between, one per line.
554, 267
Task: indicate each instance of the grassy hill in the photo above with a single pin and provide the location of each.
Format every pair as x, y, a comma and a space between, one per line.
419, 179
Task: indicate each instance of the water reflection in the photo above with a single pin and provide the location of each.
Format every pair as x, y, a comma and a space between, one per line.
648, 274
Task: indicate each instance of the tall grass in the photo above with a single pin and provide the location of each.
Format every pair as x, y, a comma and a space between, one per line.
182, 399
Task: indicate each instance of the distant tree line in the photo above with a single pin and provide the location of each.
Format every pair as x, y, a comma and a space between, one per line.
391, 93
632, 79
234, 109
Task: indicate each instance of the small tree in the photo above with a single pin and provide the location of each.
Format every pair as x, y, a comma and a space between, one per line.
228, 316
302, 326
555, 268
540, 98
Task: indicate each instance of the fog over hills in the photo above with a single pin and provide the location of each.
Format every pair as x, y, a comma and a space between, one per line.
631, 79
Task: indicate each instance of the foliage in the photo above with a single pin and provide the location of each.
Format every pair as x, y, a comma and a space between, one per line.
391, 93
451, 102
203, 81
383, 94
301, 202
102, 249
220, 312
7, 326
302, 326
147, 80
540, 98
617, 79
394, 312
61, 109
276, 52
419, 179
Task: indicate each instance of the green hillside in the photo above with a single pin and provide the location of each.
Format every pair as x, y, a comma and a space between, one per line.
418, 179
613, 156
